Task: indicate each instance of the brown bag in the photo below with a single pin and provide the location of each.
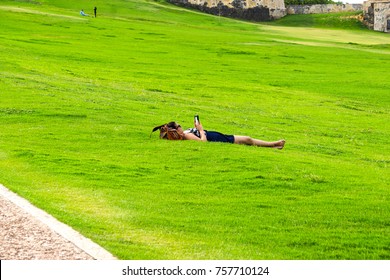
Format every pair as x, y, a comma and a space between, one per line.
168, 133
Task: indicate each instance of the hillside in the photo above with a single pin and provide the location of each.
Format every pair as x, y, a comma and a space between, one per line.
80, 95
345, 21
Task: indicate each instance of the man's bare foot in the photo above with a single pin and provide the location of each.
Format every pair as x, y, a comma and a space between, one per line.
279, 144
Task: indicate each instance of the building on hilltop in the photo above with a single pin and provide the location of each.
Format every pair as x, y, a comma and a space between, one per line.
376, 14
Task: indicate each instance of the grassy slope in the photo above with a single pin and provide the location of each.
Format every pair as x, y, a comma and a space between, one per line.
79, 97
347, 20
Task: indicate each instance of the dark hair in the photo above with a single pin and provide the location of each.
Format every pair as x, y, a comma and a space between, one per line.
169, 131
173, 125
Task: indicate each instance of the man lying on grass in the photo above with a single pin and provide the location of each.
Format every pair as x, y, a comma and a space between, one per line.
174, 131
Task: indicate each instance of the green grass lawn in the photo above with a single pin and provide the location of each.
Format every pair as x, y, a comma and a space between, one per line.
346, 20
80, 95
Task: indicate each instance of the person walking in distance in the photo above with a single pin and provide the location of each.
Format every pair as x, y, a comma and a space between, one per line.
94, 11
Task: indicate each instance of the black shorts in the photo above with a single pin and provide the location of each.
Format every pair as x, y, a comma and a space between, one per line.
214, 136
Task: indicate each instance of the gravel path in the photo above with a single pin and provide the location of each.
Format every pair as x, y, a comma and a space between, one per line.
28, 233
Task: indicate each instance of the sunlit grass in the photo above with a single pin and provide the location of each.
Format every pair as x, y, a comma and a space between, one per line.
79, 97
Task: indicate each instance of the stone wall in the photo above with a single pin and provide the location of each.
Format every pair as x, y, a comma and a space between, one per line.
322, 8
376, 12
256, 10
376, 15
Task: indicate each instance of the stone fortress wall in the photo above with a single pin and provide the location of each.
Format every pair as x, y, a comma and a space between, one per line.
376, 12
256, 10
262, 10
322, 8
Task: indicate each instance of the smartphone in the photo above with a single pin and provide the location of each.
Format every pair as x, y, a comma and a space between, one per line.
196, 119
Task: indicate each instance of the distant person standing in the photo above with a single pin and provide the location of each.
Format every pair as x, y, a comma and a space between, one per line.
94, 11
